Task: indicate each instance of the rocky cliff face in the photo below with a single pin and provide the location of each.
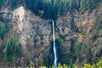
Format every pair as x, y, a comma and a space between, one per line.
35, 36
33, 33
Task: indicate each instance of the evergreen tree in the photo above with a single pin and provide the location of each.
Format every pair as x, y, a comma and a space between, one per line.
12, 50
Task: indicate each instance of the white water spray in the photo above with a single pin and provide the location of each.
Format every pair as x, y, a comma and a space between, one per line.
54, 46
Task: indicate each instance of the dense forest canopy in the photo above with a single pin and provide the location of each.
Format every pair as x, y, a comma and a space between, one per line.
54, 8
51, 9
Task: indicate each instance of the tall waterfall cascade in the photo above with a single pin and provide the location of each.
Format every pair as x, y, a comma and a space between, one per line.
54, 46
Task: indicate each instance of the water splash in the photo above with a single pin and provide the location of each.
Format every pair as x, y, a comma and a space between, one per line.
54, 46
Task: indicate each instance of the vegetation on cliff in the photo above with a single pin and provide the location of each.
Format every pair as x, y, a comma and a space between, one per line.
78, 34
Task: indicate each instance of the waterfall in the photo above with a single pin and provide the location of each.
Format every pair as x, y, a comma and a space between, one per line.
54, 46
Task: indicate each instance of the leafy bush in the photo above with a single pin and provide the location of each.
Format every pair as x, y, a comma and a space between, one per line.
12, 50
78, 48
31, 63
73, 25
88, 66
89, 55
99, 64
0, 45
2, 29
1, 50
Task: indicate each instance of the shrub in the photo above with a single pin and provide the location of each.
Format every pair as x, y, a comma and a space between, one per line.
99, 64
78, 48
31, 64
2, 29
73, 25
1, 50
12, 50
88, 66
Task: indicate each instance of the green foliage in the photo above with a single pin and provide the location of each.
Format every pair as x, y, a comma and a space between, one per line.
89, 4
78, 48
74, 5
83, 4
61, 66
89, 55
63, 37
0, 45
61, 53
1, 50
34, 5
49, 59
58, 7
88, 66
54, 8
73, 25
31, 63
51, 8
1, 3
12, 50
11, 3
43, 67
97, 65
2, 29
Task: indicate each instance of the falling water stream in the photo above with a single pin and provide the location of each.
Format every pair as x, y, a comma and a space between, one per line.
54, 46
